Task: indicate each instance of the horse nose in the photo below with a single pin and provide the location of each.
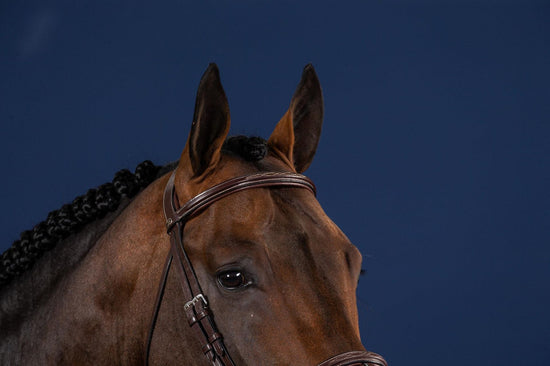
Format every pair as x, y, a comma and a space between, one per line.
355, 358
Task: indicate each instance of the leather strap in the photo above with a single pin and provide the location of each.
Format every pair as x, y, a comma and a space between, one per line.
211, 195
158, 301
354, 358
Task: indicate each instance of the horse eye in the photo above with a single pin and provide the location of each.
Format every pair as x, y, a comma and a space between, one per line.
232, 280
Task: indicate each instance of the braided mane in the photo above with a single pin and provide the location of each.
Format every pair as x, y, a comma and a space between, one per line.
95, 204
70, 218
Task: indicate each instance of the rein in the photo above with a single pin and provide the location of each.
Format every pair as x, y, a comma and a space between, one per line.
198, 313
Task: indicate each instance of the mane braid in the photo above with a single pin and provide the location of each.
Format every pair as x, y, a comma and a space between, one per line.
59, 224
96, 203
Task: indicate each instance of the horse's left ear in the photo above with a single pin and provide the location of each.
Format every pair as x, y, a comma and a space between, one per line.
210, 123
297, 134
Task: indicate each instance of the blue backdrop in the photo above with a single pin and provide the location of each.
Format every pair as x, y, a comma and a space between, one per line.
437, 114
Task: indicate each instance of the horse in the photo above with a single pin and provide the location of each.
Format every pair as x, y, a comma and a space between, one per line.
224, 257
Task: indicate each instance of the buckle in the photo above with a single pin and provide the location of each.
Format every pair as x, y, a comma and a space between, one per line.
194, 300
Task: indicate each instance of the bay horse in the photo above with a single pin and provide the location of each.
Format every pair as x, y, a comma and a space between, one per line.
222, 258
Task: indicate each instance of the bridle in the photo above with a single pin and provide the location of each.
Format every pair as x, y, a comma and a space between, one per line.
197, 311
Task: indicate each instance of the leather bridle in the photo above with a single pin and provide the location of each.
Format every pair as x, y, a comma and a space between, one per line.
198, 313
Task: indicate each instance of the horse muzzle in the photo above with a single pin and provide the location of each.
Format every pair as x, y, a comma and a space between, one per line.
355, 358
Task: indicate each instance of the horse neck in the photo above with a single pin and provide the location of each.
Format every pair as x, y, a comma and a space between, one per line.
80, 290
26, 293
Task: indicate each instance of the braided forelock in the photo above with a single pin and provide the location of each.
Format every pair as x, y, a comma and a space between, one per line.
249, 148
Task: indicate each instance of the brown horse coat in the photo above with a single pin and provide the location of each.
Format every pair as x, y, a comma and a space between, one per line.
89, 300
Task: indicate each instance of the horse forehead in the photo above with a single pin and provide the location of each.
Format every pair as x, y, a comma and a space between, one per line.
250, 208
275, 211
257, 205
273, 215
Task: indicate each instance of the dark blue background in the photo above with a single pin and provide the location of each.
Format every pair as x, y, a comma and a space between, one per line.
434, 156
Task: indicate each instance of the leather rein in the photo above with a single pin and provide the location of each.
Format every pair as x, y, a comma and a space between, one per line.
197, 311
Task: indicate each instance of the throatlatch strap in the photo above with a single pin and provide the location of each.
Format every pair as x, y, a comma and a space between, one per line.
158, 302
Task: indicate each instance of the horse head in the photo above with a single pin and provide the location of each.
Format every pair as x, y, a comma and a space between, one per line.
280, 277
252, 271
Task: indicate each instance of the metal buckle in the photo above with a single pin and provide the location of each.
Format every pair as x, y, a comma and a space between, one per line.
193, 301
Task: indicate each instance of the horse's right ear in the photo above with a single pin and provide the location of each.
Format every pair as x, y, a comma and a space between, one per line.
210, 123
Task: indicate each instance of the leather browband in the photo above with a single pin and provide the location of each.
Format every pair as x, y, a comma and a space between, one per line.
199, 315
211, 195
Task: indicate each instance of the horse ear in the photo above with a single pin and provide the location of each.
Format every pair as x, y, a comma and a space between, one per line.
297, 134
210, 122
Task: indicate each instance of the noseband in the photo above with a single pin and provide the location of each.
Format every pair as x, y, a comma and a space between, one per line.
199, 315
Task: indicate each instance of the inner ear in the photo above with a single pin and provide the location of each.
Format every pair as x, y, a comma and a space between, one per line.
211, 122
297, 134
